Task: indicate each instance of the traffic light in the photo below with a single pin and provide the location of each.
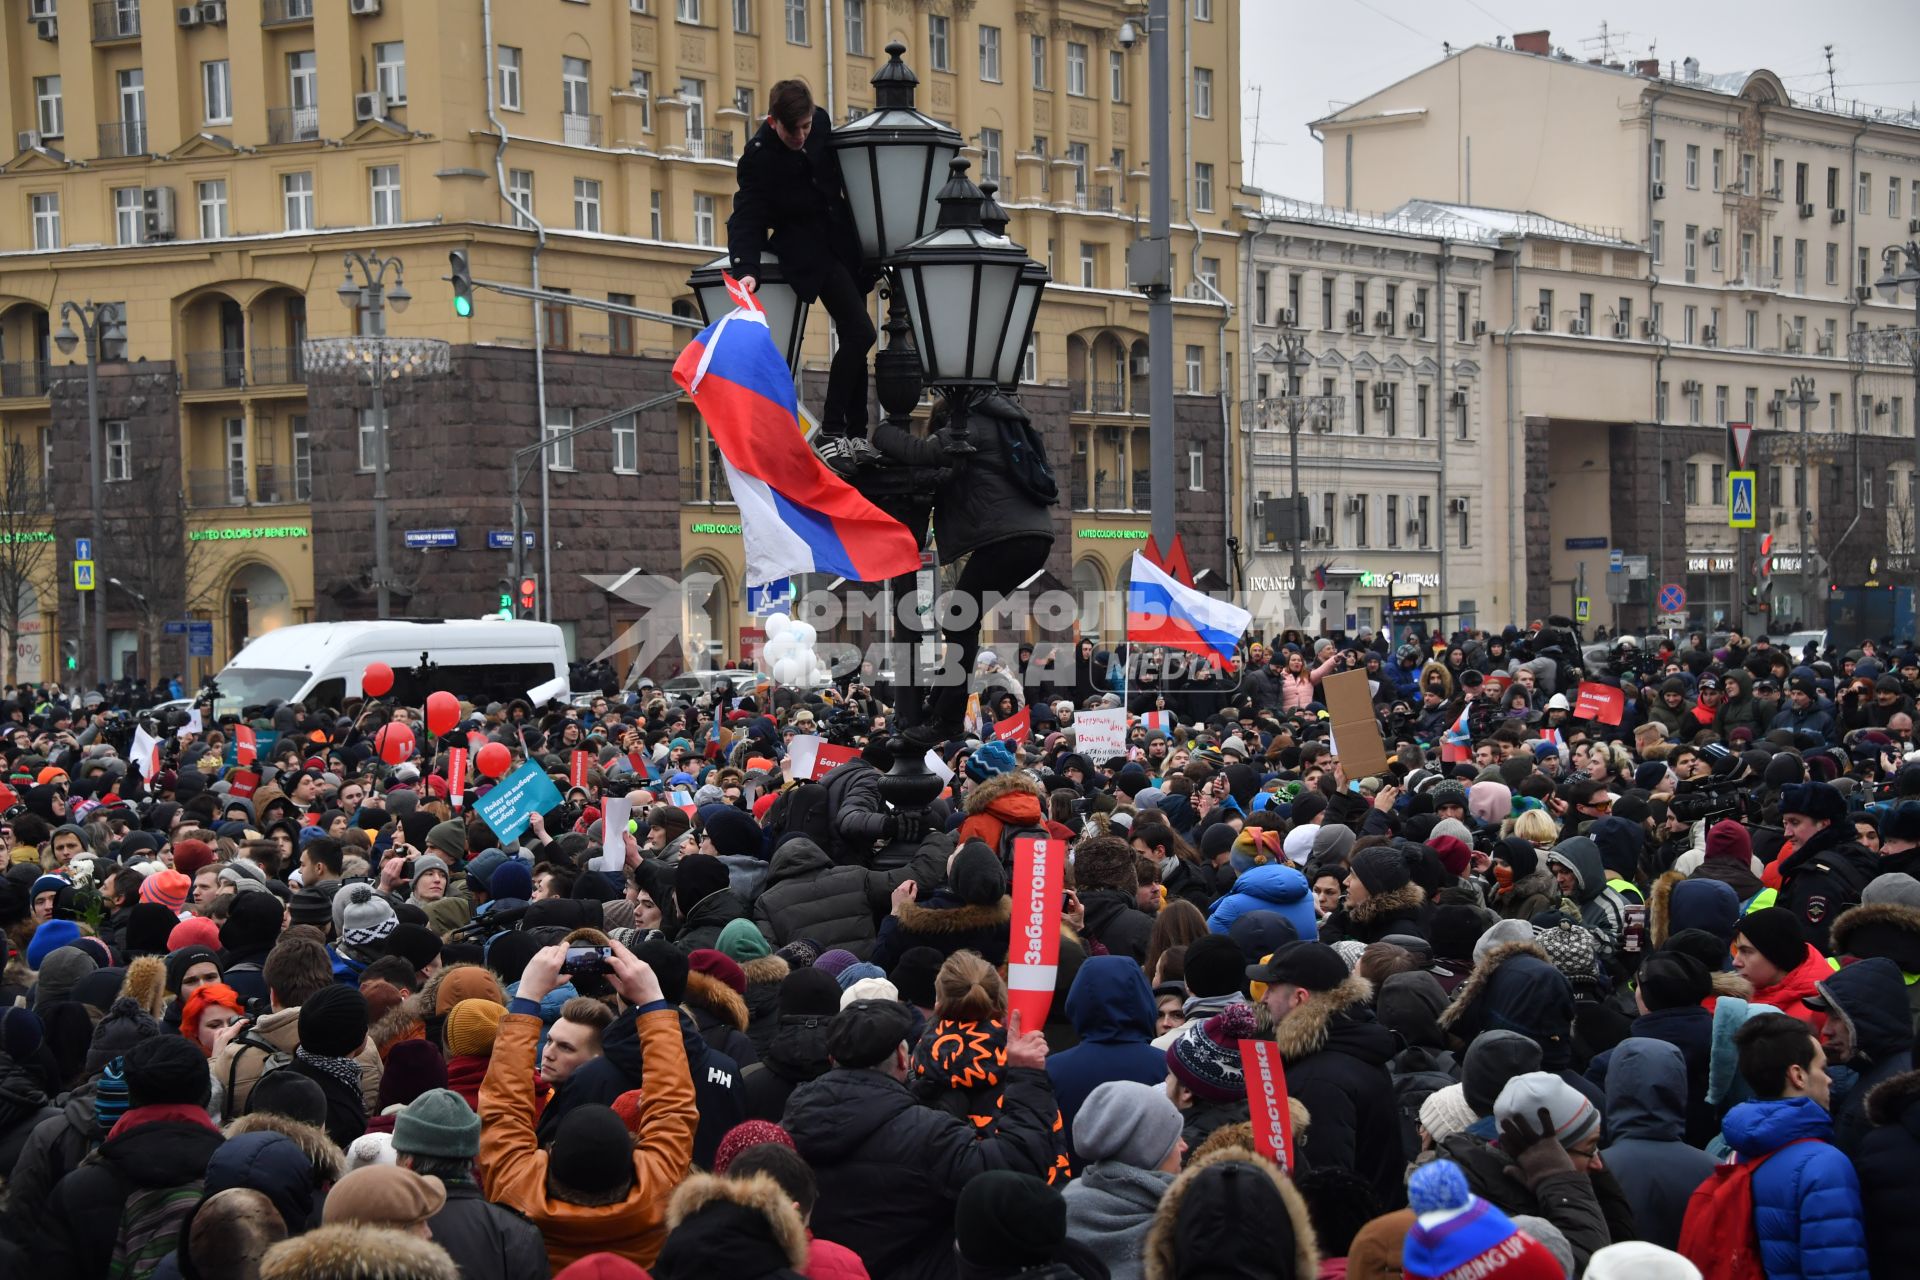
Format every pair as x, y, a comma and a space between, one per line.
505, 608
529, 595
70, 649
462, 283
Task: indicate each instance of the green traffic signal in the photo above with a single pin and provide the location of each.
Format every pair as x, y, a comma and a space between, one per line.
462, 275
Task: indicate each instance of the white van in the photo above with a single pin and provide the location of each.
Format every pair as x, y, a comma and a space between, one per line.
483, 660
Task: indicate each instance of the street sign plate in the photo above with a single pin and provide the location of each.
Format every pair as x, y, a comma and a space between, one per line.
1616, 560
770, 598
1673, 621
423, 538
1637, 568
83, 548
1582, 608
83, 575
1586, 544
1740, 504
199, 639
502, 539
1742, 437
1673, 598
174, 626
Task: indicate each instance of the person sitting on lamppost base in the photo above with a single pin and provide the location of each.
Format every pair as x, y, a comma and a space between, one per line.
791, 201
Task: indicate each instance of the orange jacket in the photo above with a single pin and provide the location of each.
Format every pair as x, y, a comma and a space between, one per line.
513, 1168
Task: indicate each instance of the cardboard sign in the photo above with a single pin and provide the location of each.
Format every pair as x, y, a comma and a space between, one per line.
242, 783
1033, 948
642, 765
457, 776
577, 768
613, 836
1600, 702
516, 798
1015, 728
1349, 700
1267, 1101
938, 767
246, 749
1100, 735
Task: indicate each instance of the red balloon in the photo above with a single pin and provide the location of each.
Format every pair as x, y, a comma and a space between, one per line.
394, 742
494, 760
377, 679
443, 712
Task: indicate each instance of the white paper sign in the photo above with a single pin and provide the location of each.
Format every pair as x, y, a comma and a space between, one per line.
802, 750
1100, 735
613, 836
938, 767
541, 694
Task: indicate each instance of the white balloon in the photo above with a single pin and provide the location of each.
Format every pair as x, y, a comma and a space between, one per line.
777, 624
789, 670
778, 647
804, 633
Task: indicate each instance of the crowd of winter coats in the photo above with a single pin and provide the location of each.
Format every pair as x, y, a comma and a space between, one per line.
1558, 999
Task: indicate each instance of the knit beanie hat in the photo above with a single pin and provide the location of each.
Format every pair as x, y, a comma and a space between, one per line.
741, 942
60, 972
194, 931
333, 1022
989, 760
110, 1095
438, 1123
977, 875
1638, 1260
1381, 869
836, 961
868, 988
1523, 1098
471, 1028
450, 838
50, 937
191, 855
361, 917
168, 889
1776, 934
1728, 841
913, 975
1457, 1233
1673, 980
417, 944
166, 1070
1445, 1112
733, 831
1128, 1122
698, 878
512, 879
1895, 887
592, 1152
1215, 966
1455, 854
859, 972
1494, 1058
125, 1025
1205, 1056
21, 1033
1518, 854
466, 982
289, 1094
412, 1067
811, 992
1006, 1220
748, 1133
1500, 935
1572, 950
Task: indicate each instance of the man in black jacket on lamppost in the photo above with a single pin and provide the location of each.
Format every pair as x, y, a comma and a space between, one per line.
791, 201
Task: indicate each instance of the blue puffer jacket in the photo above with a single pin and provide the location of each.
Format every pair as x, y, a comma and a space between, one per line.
1270, 888
1806, 1200
1111, 1007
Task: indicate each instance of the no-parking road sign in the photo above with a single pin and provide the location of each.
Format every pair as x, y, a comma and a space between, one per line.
1673, 598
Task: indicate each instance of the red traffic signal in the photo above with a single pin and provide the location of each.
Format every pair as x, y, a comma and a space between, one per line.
529, 588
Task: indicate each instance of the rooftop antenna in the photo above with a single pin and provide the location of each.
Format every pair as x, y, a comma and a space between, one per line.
1832, 91
1605, 41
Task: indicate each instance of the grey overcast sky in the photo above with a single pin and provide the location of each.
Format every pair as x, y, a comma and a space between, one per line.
1299, 59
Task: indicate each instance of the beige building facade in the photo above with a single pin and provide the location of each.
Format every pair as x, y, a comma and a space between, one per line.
210, 174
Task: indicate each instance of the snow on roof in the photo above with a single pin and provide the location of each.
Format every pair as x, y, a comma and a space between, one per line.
1432, 219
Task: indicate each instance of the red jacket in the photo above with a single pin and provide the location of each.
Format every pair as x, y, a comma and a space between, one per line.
829, 1261
1789, 995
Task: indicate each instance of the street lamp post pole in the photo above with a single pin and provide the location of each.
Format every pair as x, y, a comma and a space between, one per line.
97, 320
1804, 399
1160, 294
1902, 275
1296, 349
372, 297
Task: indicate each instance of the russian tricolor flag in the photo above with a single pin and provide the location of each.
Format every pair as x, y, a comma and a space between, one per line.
796, 516
1160, 722
1163, 611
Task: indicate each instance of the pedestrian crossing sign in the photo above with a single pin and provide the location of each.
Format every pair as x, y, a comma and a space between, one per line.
83, 575
1740, 499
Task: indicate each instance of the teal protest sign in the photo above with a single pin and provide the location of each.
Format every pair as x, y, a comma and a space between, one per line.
516, 798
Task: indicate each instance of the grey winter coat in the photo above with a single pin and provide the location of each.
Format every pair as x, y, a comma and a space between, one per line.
1646, 1118
807, 896
1110, 1208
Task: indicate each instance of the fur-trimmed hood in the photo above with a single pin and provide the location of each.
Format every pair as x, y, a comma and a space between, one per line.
915, 918
710, 995
1000, 786
354, 1251
1659, 907
1475, 986
329, 1163
1162, 1237
1879, 929
767, 971
1728, 983
702, 1193
1409, 897
401, 1022
1892, 1097
146, 984
1304, 1030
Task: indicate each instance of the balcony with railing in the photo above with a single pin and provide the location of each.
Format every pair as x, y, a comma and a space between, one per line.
293, 124
121, 139
217, 487
1109, 397
1077, 487
710, 144
116, 20
1099, 199
277, 13
1110, 495
213, 370
278, 366
580, 131
705, 485
25, 378
279, 486
1143, 490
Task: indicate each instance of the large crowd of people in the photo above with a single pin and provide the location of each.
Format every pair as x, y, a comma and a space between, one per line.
1601, 986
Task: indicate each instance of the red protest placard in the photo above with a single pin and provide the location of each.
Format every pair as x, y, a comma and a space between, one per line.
1600, 702
1015, 728
245, 750
1267, 1100
577, 769
244, 782
1033, 950
457, 776
829, 758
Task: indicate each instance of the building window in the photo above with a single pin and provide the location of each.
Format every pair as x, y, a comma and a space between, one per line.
1037, 51
1657, 243
560, 452
1657, 317
1196, 367
1076, 69
626, 445
1693, 166
1203, 10
796, 21
586, 205
1460, 315
1203, 93
1087, 274
509, 78
703, 220
1691, 260
619, 327
576, 101
939, 48
743, 101
1718, 164
1077, 155
1359, 407
1751, 409
1833, 263
1746, 173
1833, 187
213, 209
1116, 75
1327, 320
383, 181
856, 27
1203, 187
641, 84
296, 199
128, 207
390, 72
1389, 407
1293, 295
1659, 160
1030, 364
990, 54
1546, 306
687, 11
49, 106
1799, 266
216, 86
302, 459
1196, 470
1893, 197
520, 197
655, 224
369, 439
1720, 396
1660, 403
990, 155
1863, 194
1393, 519
1693, 403
119, 450
1746, 257
1262, 281
1895, 422
1422, 398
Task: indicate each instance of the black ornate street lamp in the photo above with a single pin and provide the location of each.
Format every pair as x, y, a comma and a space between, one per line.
786, 314
893, 161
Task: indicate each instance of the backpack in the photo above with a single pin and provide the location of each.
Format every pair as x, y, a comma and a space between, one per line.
1010, 833
149, 1229
1718, 1233
1024, 455
805, 809
275, 1059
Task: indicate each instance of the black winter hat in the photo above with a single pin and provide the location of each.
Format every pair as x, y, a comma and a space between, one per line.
814, 992
289, 1094
1820, 801
1702, 945
1210, 1224
1784, 769
1494, 1058
1261, 933
977, 876
508, 953
148, 925
178, 962
914, 974
1454, 930
125, 1025
418, 944
1776, 934
865, 1032
1901, 822
1215, 966
167, 1070
592, 1152
252, 923
333, 1022
669, 965
1010, 1220
1381, 869
1518, 854
697, 878
1673, 980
